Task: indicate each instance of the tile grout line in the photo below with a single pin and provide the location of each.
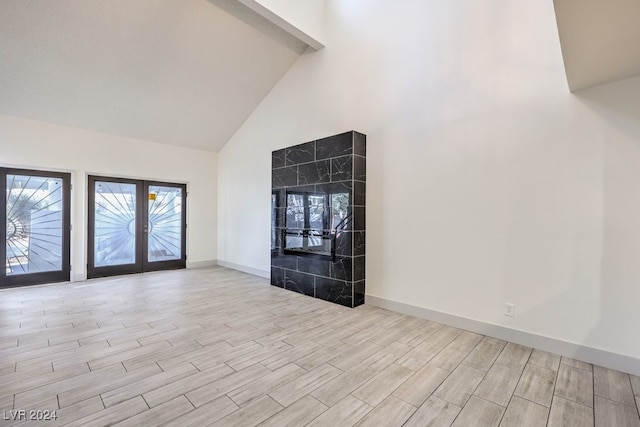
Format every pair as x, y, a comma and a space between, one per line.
514, 390
553, 392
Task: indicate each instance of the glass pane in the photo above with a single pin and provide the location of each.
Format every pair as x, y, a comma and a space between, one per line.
165, 223
115, 223
339, 211
34, 224
274, 207
293, 240
316, 211
295, 211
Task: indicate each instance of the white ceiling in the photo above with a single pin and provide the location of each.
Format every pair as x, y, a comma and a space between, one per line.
600, 40
182, 72
189, 72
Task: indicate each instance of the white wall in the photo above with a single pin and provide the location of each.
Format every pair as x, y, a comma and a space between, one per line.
37, 145
488, 182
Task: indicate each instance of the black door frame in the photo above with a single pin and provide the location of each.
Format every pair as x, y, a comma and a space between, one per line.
173, 264
141, 263
63, 275
111, 270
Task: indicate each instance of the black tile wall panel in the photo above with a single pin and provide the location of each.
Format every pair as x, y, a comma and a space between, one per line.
358, 293
358, 268
299, 282
285, 261
284, 177
278, 159
336, 167
302, 153
359, 168
359, 144
359, 243
359, 193
314, 265
334, 291
359, 219
277, 277
342, 168
334, 146
314, 172
342, 268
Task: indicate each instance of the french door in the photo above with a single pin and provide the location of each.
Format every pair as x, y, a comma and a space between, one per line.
36, 211
135, 226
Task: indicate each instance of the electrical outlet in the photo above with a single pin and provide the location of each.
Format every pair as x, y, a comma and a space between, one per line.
509, 309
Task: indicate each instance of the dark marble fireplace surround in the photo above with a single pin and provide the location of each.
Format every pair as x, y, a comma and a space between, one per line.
319, 187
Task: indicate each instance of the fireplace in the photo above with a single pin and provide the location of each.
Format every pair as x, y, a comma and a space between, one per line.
318, 218
313, 221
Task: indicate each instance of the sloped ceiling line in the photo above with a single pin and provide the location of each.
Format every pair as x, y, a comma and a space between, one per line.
600, 40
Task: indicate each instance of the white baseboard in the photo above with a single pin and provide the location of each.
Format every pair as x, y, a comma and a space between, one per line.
245, 269
202, 264
607, 359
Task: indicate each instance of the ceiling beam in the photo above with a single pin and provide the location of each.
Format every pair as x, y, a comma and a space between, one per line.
284, 24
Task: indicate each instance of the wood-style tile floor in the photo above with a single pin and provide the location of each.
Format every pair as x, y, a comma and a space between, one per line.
220, 347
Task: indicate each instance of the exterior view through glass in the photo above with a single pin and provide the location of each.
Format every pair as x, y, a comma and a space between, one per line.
165, 223
115, 223
35, 226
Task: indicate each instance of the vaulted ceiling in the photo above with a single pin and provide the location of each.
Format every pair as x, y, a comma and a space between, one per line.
190, 72
183, 72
